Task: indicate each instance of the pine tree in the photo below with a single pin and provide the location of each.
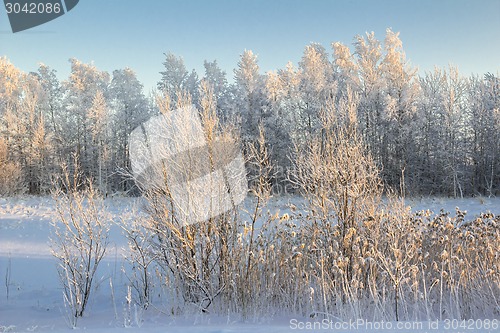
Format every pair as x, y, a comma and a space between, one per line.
216, 78
175, 79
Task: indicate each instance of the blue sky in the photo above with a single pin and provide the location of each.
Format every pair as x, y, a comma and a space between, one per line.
124, 33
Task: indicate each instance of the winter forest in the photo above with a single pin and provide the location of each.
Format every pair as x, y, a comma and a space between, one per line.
334, 149
438, 131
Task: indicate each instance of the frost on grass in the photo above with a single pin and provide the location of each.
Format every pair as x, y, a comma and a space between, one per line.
347, 253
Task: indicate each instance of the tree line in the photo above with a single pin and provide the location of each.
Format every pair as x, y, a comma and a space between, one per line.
437, 133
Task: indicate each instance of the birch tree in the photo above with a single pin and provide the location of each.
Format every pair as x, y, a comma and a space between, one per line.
80, 90
130, 108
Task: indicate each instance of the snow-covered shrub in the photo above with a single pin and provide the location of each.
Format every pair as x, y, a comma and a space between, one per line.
141, 258
193, 258
340, 181
79, 240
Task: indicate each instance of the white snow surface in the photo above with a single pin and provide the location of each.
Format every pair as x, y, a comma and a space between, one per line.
35, 302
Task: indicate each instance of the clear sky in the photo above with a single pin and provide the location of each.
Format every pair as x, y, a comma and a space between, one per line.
135, 33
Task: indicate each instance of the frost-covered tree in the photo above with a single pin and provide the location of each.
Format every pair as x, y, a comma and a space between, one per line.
432, 143
130, 110
99, 119
27, 143
484, 121
11, 180
217, 79
437, 132
10, 92
282, 93
401, 94
50, 104
454, 122
443, 127
39, 152
51, 98
345, 68
175, 78
248, 94
80, 90
10, 85
192, 84
174, 75
371, 105
316, 74
290, 98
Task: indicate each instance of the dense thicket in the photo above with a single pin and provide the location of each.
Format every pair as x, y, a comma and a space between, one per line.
439, 132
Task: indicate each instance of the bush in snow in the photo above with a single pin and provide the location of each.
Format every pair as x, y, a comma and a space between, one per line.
79, 241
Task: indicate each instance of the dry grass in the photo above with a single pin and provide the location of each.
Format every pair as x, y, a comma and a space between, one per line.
348, 254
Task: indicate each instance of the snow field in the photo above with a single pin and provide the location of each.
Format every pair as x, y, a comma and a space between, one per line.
35, 301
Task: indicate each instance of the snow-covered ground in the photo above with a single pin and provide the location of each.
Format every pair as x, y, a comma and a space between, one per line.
473, 206
35, 303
